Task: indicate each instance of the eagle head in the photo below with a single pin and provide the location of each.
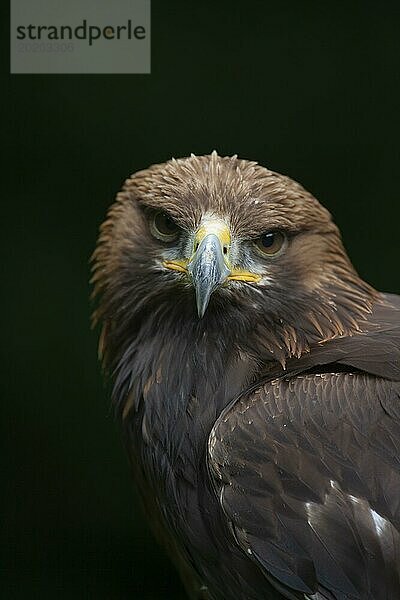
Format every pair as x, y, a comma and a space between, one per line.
224, 244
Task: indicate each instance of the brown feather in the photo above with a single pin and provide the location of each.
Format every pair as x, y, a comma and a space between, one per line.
295, 376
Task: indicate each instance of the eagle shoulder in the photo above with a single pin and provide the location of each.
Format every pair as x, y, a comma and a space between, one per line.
307, 470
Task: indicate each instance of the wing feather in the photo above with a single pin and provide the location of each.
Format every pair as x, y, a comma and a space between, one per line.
307, 472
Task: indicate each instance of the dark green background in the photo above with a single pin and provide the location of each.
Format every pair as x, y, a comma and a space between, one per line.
310, 89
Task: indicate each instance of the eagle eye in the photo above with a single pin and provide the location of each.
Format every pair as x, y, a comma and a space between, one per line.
163, 227
270, 243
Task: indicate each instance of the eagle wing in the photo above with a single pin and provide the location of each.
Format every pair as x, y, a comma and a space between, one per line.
307, 470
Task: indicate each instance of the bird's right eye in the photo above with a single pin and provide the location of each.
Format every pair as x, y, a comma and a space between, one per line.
163, 227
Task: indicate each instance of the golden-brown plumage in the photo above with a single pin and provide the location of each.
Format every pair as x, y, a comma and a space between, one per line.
246, 498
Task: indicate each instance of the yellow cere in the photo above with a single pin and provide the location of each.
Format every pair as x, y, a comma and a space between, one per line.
221, 230
216, 226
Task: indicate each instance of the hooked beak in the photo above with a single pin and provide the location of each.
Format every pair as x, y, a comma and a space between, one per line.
209, 266
207, 270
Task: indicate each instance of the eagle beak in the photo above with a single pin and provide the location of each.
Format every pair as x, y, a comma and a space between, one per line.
207, 269
209, 266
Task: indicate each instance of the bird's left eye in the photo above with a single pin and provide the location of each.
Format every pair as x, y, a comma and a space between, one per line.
270, 243
163, 227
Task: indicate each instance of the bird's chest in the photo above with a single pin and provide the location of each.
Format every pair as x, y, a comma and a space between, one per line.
169, 466
168, 440
179, 404
171, 437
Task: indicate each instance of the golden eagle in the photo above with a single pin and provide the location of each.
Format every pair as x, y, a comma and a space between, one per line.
256, 377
